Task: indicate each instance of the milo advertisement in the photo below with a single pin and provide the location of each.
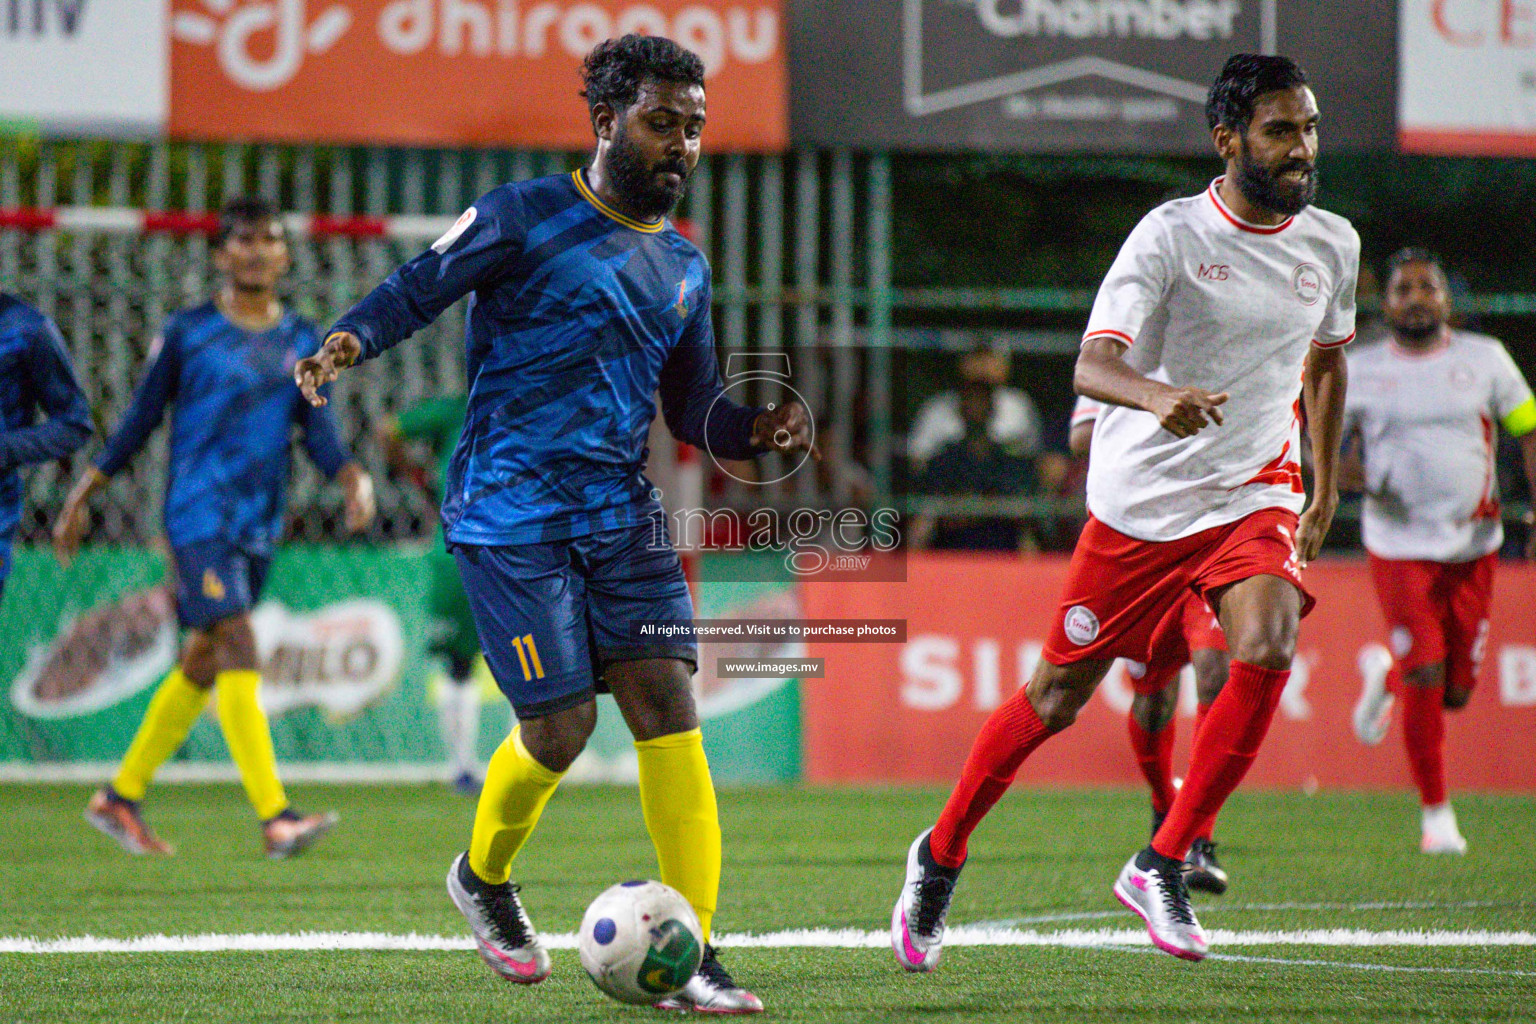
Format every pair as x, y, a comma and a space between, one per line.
346, 674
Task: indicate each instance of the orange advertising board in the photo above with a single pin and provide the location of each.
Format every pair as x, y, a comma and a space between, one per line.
454, 72
975, 625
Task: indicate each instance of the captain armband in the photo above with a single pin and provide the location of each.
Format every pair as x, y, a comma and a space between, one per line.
1521, 419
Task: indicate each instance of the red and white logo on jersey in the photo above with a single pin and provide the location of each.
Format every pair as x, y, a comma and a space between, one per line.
1307, 283
1081, 625
461, 225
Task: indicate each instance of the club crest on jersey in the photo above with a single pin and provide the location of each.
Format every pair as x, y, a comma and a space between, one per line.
213, 587
1307, 283
682, 299
1081, 625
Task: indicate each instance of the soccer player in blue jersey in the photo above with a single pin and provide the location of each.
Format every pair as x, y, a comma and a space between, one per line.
584, 302
34, 375
225, 368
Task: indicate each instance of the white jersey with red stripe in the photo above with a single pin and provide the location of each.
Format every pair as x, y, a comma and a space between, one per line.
1428, 425
1207, 300
1086, 410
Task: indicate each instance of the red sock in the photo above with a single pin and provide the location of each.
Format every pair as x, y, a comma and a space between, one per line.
1224, 750
1207, 824
1201, 710
1011, 734
1424, 736
1154, 756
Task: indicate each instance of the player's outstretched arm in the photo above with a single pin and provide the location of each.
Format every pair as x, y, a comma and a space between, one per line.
322, 440
1103, 374
75, 517
698, 412
150, 400
1323, 386
314, 372
357, 489
482, 247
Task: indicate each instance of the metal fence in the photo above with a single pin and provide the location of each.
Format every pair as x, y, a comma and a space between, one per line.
799, 245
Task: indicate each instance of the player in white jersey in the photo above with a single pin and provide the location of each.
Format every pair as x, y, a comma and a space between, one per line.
1188, 635
1220, 313
1425, 408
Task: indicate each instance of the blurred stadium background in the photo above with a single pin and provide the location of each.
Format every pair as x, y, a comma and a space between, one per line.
900, 196
888, 188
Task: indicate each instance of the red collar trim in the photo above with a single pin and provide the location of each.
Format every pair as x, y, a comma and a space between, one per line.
1238, 222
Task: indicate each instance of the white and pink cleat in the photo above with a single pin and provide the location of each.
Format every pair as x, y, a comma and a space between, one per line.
503, 934
1159, 897
1441, 832
917, 920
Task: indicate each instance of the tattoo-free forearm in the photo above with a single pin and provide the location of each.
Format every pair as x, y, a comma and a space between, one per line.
1103, 374
1323, 387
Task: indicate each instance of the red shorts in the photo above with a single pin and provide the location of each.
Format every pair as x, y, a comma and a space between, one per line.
1120, 589
1189, 626
1436, 611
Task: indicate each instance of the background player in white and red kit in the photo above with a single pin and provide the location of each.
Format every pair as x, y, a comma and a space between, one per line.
1188, 635
1220, 313
1425, 407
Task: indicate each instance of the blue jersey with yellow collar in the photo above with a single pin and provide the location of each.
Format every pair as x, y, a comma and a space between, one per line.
235, 407
35, 376
577, 316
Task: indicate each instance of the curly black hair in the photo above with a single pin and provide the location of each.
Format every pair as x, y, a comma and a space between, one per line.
241, 211
1243, 79
615, 69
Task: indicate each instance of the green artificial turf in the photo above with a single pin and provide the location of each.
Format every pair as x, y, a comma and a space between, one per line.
794, 858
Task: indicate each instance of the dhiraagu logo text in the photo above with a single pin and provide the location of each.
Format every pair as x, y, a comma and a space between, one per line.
261, 46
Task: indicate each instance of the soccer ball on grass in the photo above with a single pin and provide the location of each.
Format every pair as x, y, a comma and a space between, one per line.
640, 942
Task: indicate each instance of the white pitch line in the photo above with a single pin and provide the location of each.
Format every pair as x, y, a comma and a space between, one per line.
1226, 908
1347, 964
825, 938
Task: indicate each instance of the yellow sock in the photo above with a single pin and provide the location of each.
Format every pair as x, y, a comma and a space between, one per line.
516, 789
678, 799
171, 713
250, 740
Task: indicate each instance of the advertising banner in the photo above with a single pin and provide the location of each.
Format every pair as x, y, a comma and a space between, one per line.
908, 712
1039, 76
340, 635
1468, 80
96, 67
454, 72
347, 679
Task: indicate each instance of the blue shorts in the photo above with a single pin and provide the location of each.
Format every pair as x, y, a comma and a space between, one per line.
215, 579
553, 616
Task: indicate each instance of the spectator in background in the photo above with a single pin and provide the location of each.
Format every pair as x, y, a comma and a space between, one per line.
977, 464
1013, 423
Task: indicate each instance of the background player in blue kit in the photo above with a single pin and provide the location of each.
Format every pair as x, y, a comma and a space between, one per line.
584, 302
34, 375
225, 367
